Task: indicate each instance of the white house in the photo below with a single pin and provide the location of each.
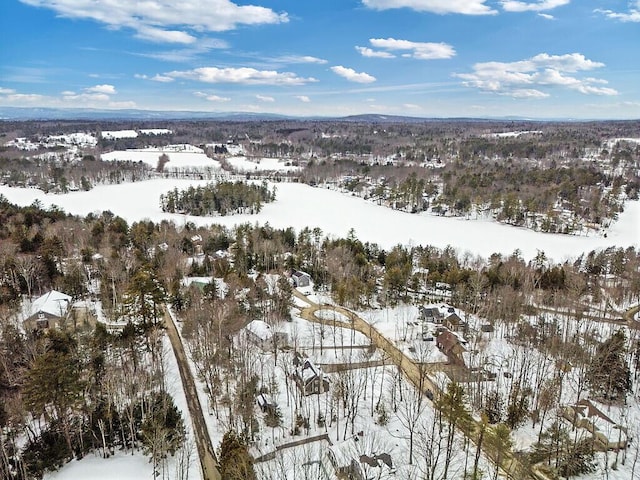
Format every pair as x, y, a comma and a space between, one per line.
48, 310
260, 333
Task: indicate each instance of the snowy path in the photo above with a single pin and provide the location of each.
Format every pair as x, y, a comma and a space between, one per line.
206, 453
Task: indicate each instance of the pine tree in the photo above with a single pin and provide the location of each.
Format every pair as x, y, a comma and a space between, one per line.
609, 376
235, 461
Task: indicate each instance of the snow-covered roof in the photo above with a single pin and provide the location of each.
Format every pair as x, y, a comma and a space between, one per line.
54, 303
260, 329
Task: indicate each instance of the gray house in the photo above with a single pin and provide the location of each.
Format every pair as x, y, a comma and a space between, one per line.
48, 311
309, 378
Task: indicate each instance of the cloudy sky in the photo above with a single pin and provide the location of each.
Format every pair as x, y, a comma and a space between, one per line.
432, 58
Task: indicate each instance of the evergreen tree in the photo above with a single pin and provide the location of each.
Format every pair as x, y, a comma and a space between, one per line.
235, 461
609, 376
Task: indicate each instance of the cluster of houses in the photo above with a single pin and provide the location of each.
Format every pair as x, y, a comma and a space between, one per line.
449, 328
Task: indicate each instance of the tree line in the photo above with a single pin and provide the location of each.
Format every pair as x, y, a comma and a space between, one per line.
222, 198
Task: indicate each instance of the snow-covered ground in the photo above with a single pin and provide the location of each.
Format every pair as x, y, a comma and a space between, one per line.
180, 157
121, 466
78, 139
300, 205
242, 164
155, 131
116, 134
514, 134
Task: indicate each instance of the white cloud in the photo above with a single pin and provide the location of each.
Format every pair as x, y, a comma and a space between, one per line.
546, 16
242, 75
467, 7
419, 50
352, 75
162, 78
536, 6
527, 93
520, 79
633, 15
411, 106
367, 52
22, 98
85, 97
300, 59
153, 20
164, 36
90, 97
303, 98
106, 89
212, 98
188, 53
264, 98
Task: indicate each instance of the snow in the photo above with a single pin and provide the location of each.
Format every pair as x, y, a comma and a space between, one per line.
80, 138
300, 206
53, 303
242, 164
612, 142
156, 131
514, 134
260, 329
180, 157
116, 134
120, 466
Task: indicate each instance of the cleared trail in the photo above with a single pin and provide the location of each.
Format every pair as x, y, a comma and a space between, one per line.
208, 460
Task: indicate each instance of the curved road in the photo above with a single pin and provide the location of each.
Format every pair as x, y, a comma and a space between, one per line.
417, 375
208, 460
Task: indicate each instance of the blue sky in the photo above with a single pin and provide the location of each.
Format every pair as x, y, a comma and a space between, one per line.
431, 58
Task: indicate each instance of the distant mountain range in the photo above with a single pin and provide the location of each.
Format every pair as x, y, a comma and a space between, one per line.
21, 113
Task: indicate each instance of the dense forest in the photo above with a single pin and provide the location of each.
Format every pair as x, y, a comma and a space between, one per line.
222, 198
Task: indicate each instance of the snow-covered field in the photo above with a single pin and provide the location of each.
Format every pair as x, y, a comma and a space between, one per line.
78, 139
94, 467
116, 134
242, 164
300, 205
155, 131
180, 157
513, 134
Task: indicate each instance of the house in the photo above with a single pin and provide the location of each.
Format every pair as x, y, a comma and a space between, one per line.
343, 458
309, 378
606, 434
261, 334
48, 311
301, 279
450, 344
352, 460
430, 314
454, 323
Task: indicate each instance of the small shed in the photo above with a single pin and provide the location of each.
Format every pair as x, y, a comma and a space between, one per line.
301, 279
